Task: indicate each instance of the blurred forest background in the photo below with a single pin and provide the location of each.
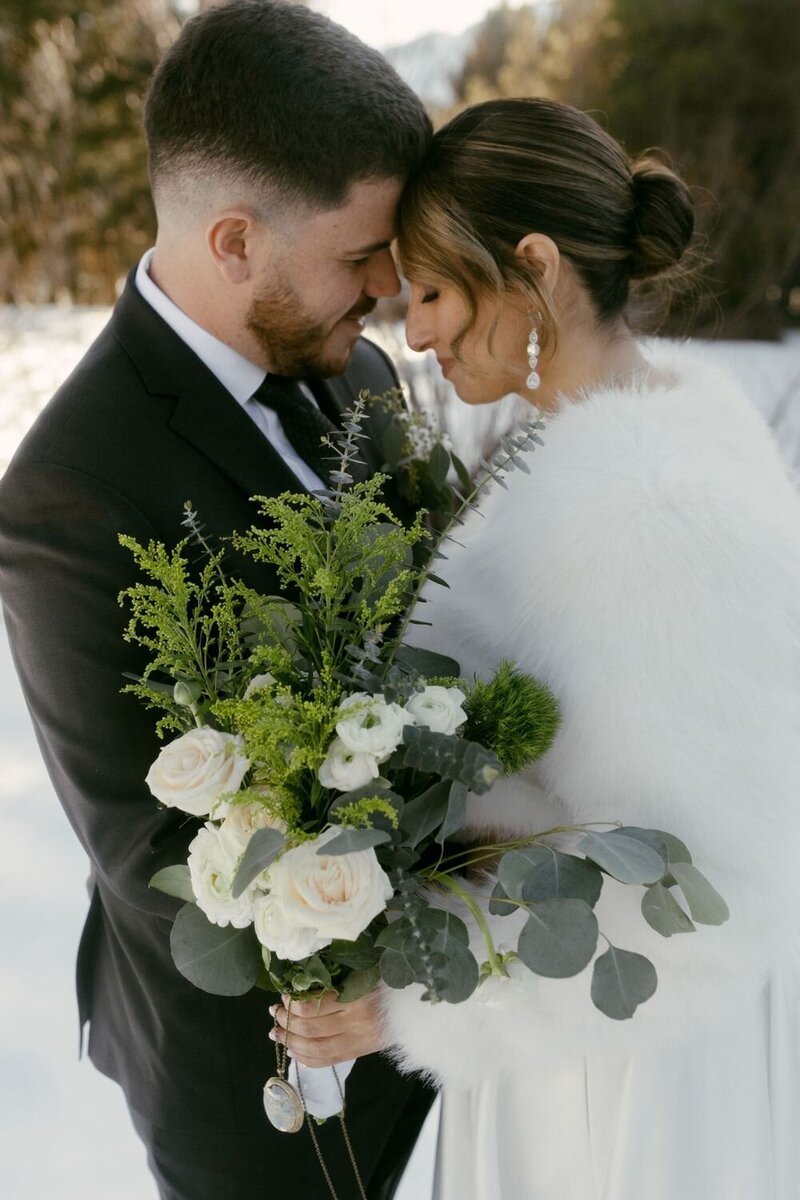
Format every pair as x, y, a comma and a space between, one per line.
717, 82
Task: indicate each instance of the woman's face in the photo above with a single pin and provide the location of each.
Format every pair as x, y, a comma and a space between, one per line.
437, 313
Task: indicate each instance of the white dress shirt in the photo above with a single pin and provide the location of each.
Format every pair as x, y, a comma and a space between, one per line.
236, 373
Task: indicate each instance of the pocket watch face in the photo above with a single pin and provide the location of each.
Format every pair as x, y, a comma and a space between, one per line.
283, 1106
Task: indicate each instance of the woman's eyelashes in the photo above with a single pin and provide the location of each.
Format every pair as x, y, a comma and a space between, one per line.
429, 297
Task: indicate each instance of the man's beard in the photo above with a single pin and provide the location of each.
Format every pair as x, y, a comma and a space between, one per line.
294, 343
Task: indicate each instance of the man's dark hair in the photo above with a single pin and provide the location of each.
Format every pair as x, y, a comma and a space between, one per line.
281, 96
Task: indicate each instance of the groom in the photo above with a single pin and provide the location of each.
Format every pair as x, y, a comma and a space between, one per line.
278, 148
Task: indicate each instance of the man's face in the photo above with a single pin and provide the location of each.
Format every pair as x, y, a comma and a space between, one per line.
326, 274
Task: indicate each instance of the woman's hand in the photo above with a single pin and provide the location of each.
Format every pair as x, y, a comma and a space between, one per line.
324, 1031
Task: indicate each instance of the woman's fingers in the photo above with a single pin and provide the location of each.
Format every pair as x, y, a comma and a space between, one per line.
325, 1034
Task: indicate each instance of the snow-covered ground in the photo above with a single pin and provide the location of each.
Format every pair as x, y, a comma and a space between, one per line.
63, 1128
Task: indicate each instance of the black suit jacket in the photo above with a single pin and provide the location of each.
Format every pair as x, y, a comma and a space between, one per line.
140, 427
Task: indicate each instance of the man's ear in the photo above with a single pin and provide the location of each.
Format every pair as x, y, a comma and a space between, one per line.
544, 256
231, 240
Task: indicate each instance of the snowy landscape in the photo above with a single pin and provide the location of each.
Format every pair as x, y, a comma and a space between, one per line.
49, 1100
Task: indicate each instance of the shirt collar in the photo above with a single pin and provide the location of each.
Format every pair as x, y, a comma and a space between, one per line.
236, 373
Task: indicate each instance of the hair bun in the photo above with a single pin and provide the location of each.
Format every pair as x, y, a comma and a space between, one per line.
663, 218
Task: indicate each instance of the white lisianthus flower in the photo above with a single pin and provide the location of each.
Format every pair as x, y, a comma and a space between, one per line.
438, 708
316, 898
194, 770
214, 855
258, 681
372, 727
344, 769
264, 681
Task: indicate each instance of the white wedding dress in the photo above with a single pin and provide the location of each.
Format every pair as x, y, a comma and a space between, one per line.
648, 570
718, 1120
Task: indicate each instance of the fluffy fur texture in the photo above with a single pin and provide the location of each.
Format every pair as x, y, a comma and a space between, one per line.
648, 570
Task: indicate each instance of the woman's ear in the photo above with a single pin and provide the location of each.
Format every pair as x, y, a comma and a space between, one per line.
544, 256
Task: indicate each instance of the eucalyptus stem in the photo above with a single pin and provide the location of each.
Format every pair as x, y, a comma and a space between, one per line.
495, 962
468, 858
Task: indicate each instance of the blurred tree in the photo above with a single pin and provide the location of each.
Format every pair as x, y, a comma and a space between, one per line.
536, 50
716, 83
75, 209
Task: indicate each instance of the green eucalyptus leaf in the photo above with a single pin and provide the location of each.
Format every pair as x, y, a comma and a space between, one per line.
705, 903
659, 840
225, 962
359, 983
499, 904
516, 865
460, 974
358, 955
456, 814
314, 974
540, 872
429, 664
439, 465
396, 970
349, 841
563, 877
403, 858
174, 881
626, 858
424, 814
263, 848
442, 926
452, 757
430, 922
559, 938
661, 911
464, 477
395, 936
621, 981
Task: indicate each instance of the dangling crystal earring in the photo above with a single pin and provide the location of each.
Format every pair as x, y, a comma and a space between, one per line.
534, 379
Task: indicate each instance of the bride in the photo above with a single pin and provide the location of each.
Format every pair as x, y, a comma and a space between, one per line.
648, 570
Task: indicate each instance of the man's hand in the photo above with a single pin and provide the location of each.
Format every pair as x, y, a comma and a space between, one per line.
324, 1032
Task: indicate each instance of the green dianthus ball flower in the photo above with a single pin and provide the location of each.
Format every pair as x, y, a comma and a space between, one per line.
514, 715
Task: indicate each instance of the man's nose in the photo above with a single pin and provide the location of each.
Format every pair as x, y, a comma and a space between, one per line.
383, 279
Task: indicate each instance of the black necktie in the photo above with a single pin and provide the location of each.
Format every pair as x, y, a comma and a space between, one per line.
303, 423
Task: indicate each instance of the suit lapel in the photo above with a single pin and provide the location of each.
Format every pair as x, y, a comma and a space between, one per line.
204, 413
219, 428
210, 419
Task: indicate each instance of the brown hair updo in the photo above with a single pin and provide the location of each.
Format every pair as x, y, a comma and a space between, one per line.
506, 168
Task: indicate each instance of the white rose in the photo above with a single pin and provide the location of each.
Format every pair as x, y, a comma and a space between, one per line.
315, 898
344, 769
438, 708
192, 772
245, 819
374, 727
214, 855
277, 932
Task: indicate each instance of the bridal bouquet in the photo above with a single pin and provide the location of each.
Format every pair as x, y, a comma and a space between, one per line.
329, 763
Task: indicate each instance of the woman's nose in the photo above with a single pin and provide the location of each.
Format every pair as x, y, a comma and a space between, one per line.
418, 332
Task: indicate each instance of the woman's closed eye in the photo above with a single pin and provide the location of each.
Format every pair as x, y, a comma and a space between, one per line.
429, 297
